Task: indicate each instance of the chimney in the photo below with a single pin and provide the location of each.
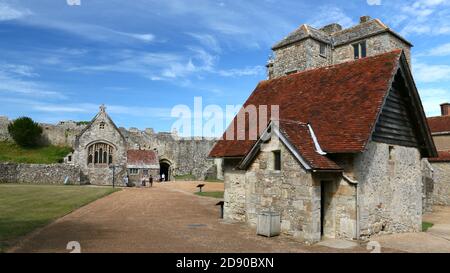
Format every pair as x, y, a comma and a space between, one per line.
331, 28
445, 109
364, 19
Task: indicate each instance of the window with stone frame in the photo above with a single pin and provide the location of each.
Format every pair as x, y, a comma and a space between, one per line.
323, 50
277, 160
134, 171
360, 50
102, 125
100, 154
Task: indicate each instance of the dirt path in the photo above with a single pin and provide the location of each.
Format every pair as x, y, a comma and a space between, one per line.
165, 218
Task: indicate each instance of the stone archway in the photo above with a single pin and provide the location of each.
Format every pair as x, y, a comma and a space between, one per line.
165, 167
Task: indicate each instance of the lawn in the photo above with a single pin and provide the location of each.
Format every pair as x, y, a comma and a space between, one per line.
11, 152
426, 226
185, 177
24, 208
214, 194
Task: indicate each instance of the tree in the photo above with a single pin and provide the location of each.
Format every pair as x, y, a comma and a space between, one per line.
25, 132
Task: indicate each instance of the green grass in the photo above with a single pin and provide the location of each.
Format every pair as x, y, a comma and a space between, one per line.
213, 180
185, 177
426, 226
214, 194
23, 208
11, 152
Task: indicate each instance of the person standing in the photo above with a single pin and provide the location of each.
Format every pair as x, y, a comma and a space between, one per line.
151, 180
163, 177
125, 181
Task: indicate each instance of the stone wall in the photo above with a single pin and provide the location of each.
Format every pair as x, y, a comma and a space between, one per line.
187, 156
4, 135
390, 194
62, 134
441, 191
442, 142
300, 56
304, 54
428, 186
378, 44
38, 173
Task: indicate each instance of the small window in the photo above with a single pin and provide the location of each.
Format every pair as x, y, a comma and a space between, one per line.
323, 50
277, 160
291, 72
102, 125
145, 172
134, 171
391, 152
69, 158
360, 50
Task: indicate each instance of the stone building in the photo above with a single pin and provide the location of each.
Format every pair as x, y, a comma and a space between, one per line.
440, 128
143, 164
309, 48
342, 155
177, 155
98, 147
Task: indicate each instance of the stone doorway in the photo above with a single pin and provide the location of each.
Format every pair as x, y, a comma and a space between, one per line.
165, 167
327, 210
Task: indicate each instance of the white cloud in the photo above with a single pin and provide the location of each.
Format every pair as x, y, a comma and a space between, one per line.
9, 13
248, 71
441, 50
432, 98
331, 14
208, 41
430, 73
12, 81
374, 2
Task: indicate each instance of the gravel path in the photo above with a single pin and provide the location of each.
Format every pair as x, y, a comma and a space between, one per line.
166, 218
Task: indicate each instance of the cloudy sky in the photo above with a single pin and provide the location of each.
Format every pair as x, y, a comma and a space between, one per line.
143, 57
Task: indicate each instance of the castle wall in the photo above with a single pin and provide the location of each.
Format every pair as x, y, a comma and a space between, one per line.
38, 173
390, 194
441, 191
188, 156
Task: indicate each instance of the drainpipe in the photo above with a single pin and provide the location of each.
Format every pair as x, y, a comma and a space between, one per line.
355, 183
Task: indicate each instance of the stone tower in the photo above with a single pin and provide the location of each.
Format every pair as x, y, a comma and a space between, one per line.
309, 48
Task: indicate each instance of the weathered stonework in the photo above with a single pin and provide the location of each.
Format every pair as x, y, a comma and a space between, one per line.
185, 155
101, 130
39, 173
390, 189
441, 191
301, 50
384, 194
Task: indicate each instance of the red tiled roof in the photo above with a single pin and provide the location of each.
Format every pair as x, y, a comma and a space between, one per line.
299, 135
439, 124
444, 156
141, 157
341, 102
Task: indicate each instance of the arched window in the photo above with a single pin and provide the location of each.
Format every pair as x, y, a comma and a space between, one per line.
100, 154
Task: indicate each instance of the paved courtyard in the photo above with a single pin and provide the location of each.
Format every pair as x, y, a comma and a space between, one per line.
165, 218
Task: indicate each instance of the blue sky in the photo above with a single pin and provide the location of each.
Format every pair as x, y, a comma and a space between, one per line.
143, 57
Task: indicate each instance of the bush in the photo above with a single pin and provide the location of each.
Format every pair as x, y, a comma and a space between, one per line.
25, 132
